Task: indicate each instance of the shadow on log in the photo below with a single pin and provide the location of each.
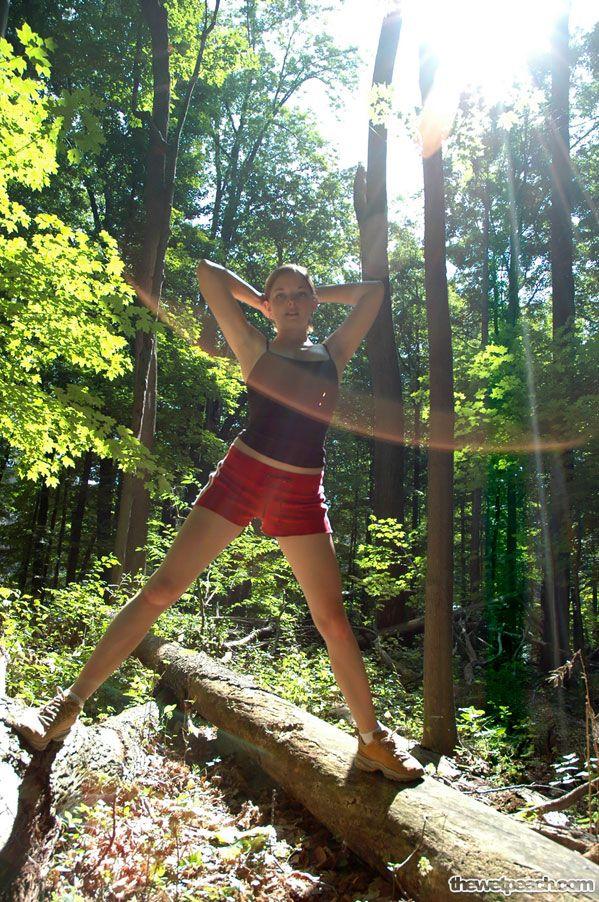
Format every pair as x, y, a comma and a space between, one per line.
380, 821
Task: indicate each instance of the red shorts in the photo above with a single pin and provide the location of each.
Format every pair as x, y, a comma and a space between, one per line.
289, 504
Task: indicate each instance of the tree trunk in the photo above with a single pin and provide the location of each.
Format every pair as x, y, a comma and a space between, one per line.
595, 610
484, 288
106, 482
512, 614
161, 166
77, 516
476, 525
562, 279
4, 10
314, 762
40, 540
577, 622
61, 531
463, 583
370, 202
135, 497
475, 545
51, 533
26, 555
87, 555
439, 711
134, 504
353, 540
416, 482
561, 465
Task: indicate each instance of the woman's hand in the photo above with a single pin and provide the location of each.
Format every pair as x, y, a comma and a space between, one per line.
262, 305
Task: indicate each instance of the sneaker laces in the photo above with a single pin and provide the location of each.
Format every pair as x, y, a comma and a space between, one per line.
391, 738
52, 709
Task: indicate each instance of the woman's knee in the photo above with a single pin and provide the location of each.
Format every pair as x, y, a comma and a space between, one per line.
161, 592
333, 626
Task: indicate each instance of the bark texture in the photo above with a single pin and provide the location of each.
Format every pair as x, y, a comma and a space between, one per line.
370, 203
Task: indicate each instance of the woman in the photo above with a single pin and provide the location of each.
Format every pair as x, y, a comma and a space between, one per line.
273, 470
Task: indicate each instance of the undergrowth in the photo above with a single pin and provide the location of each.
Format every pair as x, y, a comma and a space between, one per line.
48, 641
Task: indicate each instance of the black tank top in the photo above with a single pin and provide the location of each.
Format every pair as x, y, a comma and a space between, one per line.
290, 405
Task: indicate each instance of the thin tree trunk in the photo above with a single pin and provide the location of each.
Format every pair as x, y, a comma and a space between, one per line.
63, 520
87, 555
370, 202
5, 458
495, 539
77, 516
577, 623
463, 583
417, 467
545, 654
26, 558
4, 11
512, 608
475, 544
484, 289
51, 531
40, 539
595, 610
477, 522
354, 516
439, 731
106, 481
561, 465
560, 542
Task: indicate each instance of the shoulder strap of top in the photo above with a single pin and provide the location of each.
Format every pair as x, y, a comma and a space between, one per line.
327, 347
267, 344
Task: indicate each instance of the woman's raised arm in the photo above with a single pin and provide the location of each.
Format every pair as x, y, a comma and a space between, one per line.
366, 299
221, 290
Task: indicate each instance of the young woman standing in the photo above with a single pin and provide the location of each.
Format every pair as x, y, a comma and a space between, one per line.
273, 470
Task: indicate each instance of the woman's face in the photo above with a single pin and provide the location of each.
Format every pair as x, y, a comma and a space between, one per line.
291, 303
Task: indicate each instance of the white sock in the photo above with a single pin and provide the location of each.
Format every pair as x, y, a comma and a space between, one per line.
367, 737
69, 692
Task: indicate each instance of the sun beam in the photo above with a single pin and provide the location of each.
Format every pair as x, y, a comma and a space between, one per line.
484, 43
478, 44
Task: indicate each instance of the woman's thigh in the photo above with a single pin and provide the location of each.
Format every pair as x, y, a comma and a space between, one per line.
314, 563
201, 538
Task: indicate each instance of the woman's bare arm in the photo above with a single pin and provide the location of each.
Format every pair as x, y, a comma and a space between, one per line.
350, 293
221, 290
366, 298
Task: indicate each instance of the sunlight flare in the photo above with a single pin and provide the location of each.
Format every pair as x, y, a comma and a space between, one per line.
487, 46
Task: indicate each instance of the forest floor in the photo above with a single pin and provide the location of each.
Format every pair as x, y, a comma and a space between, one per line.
202, 831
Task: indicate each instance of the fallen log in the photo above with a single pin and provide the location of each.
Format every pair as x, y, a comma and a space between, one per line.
389, 825
36, 788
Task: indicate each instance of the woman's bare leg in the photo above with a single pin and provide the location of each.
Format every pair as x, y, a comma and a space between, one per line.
314, 563
202, 537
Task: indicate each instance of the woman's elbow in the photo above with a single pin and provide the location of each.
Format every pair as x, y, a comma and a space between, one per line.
204, 267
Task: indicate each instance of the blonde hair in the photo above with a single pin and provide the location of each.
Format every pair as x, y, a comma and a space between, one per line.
296, 270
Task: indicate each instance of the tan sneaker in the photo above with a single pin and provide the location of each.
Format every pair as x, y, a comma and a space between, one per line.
39, 726
385, 753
